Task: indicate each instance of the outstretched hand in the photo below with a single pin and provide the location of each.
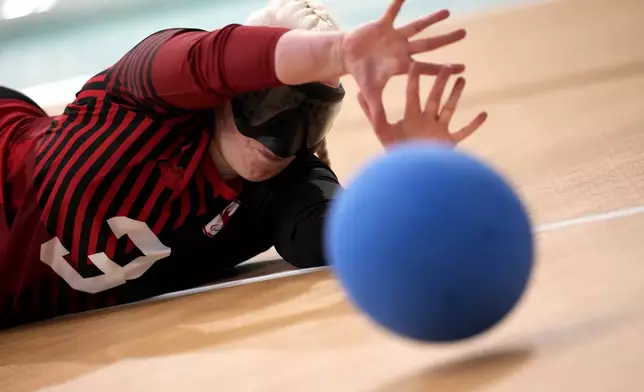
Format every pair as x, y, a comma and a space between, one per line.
429, 123
377, 51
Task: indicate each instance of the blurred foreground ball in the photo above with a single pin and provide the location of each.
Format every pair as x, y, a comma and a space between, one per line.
431, 243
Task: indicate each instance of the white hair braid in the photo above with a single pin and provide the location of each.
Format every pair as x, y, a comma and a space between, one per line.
294, 14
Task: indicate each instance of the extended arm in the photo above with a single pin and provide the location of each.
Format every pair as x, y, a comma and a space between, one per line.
188, 69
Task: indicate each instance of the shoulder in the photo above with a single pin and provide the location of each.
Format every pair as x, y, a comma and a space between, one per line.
307, 180
306, 168
307, 177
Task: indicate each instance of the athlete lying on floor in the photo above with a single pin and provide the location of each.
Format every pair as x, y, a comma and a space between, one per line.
193, 153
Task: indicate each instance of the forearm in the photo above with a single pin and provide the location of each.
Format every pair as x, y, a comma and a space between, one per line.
302, 196
303, 56
194, 69
303, 245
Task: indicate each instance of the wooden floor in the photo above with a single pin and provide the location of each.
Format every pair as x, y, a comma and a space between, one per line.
564, 85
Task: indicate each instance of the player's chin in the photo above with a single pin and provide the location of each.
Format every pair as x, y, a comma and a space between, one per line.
262, 167
264, 171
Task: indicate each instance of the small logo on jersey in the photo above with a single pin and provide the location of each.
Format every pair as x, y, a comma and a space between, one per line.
214, 226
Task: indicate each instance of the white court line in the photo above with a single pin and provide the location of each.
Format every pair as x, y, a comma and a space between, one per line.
239, 282
592, 218
604, 216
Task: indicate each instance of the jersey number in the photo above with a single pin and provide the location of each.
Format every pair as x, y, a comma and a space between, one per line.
52, 253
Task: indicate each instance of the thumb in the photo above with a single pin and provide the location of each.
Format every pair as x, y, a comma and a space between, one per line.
375, 112
364, 106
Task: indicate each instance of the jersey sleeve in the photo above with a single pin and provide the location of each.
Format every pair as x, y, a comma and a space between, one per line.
301, 200
190, 69
20, 118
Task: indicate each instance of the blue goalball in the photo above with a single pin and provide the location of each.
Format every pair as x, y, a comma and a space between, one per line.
430, 243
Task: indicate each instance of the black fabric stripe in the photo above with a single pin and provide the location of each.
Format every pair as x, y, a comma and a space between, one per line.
145, 195
105, 233
149, 77
82, 153
194, 197
25, 301
61, 302
135, 68
157, 209
53, 135
144, 64
209, 194
94, 86
133, 64
117, 74
50, 137
192, 135
175, 214
123, 129
112, 210
46, 297
47, 189
133, 177
82, 301
8, 93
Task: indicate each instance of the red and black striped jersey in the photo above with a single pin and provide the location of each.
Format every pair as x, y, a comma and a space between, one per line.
120, 199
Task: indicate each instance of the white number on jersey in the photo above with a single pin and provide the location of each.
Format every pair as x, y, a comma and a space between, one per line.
52, 253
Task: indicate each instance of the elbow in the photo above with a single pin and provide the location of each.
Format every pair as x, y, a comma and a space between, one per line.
303, 257
307, 259
304, 247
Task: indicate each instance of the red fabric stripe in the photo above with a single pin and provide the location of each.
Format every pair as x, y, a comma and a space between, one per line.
147, 90
102, 210
145, 213
96, 156
185, 210
134, 66
144, 151
50, 149
116, 185
127, 204
133, 70
57, 160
